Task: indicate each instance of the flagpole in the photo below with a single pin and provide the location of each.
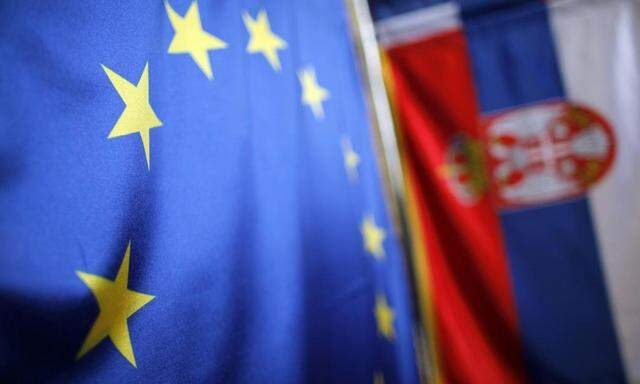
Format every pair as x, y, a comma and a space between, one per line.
388, 154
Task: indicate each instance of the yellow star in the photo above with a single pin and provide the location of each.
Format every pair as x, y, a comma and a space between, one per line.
191, 38
117, 304
138, 116
312, 94
378, 378
384, 316
373, 237
262, 39
351, 159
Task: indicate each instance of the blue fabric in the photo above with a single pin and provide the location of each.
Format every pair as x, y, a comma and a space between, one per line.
485, 6
564, 315
382, 9
245, 229
512, 57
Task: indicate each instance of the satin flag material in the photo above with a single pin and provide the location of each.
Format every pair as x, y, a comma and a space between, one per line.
189, 193
520, 127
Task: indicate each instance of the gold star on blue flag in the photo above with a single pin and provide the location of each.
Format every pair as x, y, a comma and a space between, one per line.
190, 193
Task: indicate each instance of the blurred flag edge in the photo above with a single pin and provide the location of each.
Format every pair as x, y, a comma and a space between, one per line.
397, 180
494, 310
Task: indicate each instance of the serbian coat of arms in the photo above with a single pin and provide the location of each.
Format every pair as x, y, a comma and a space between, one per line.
531, 155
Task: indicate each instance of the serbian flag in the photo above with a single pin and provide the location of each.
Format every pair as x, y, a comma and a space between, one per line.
520, 125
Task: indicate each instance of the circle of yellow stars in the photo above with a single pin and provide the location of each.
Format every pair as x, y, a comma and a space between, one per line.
115, 300
190, 38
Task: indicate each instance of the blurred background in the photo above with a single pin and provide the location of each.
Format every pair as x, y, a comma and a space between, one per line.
320, 191
518, 122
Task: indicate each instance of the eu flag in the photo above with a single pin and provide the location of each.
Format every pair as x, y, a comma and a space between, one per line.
189, 193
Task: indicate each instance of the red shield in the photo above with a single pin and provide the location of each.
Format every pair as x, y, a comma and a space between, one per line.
547, 152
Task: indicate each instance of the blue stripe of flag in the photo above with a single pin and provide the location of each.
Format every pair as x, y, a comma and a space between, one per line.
563, 310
